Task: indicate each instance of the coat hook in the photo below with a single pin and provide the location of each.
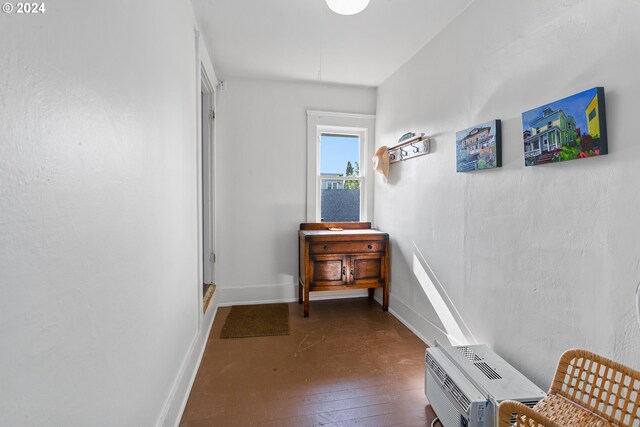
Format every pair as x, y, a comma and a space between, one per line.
415, 148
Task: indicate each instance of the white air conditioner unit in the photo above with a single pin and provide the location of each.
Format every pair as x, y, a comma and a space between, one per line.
465, 385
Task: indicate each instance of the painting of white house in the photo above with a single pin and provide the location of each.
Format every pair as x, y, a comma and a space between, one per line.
479, 147
571, 128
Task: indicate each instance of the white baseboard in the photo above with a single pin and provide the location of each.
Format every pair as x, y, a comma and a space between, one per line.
177, 400
267, 294
417, 323
256, 294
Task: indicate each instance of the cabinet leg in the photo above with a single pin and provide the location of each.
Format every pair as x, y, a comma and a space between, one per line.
299, 293
371, 292
385, 298
306, 300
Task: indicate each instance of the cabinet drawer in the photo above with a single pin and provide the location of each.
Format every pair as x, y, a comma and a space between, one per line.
346, 247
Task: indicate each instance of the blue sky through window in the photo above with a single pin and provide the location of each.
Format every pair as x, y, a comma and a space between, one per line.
336, 151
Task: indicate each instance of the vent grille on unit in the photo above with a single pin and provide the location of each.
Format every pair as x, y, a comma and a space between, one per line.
457, 394
529, 403
448, 383
469, 354
488, 371
478, 362
436, 368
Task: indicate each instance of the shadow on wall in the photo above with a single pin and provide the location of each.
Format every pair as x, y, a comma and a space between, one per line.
638, 303
442, 304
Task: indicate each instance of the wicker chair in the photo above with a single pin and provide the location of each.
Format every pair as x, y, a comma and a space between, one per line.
588, 390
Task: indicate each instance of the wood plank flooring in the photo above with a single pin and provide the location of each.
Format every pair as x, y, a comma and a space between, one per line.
348, 364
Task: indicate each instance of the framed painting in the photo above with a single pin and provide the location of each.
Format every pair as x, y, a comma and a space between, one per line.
571, 128
479, 147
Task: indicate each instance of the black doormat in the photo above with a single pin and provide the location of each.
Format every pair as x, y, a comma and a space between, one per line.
256, 321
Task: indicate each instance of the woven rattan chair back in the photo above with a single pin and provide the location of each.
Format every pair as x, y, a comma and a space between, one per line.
604, 387
514, 414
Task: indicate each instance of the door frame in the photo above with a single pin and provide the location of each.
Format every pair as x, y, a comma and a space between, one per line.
208, 177
206, 81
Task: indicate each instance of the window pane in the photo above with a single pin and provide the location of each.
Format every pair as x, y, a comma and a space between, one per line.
339, 155
338, 203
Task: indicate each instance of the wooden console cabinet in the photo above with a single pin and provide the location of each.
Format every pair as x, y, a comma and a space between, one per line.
355, 257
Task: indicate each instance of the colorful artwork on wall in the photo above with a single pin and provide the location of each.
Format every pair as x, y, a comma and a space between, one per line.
571, 128
479, 147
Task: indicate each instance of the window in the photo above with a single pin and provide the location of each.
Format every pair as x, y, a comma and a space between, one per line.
340, 159
592, 114
339, 173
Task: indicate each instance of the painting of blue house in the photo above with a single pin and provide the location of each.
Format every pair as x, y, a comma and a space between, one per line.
571, 128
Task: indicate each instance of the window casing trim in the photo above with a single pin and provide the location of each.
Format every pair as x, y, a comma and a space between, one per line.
321, 122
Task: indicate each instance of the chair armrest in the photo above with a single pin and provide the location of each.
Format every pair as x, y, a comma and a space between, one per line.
524, 416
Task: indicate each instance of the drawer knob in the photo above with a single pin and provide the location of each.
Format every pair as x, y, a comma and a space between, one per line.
344, 270
325, 247
370, 247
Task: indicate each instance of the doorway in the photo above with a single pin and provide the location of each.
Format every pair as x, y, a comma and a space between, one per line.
207, 98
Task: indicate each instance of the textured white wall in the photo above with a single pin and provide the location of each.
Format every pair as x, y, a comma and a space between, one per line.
537, 259
261, 179
98, 263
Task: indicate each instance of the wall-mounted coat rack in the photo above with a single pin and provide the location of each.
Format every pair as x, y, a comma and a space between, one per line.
409, 148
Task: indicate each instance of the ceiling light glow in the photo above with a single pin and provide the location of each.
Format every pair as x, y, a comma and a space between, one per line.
347, 7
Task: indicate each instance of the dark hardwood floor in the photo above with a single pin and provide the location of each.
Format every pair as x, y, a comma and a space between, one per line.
349, 364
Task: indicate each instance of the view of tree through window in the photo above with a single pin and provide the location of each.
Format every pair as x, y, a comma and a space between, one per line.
352, 171
340, 180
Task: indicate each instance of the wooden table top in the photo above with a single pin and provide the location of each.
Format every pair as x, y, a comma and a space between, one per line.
337, 235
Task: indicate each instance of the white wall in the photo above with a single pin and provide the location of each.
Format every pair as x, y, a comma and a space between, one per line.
261, 180
98, 211
539, 259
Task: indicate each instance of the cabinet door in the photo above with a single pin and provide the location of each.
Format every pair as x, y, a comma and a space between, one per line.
328, 270
365, 268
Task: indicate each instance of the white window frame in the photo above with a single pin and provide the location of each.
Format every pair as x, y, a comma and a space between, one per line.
323, 122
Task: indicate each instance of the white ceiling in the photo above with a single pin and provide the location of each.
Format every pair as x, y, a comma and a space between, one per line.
304, 40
